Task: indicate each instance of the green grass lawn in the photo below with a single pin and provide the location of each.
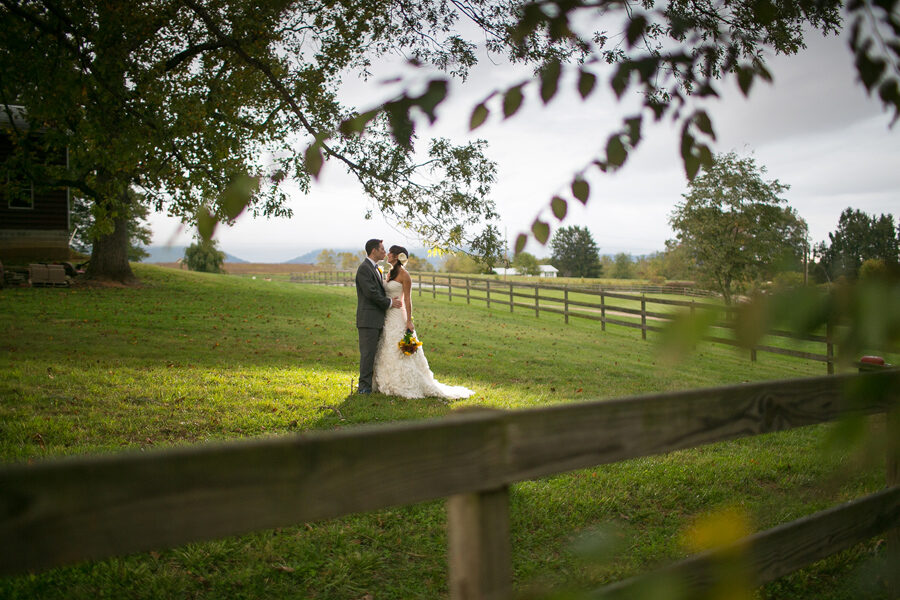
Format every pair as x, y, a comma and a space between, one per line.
190, 358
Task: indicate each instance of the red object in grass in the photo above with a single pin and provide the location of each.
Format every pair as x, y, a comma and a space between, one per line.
872, 360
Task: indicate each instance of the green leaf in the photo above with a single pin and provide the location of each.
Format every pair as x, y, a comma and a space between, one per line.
619, 82
541, 231
434, 95
869, 70
633, 126
401, 125
559, 207
615, 151
705, 155
206, 223
581, 190
512, 100
691, 161
550, 80
635, 29
647, 67
521, 240
479, 116
701, 120
745, 79
586, 83
358, 123
313, 160
237, 195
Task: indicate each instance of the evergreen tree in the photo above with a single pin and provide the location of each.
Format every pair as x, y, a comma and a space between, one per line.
575, 253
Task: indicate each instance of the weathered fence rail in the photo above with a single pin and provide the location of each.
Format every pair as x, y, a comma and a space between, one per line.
555, 299
62, 511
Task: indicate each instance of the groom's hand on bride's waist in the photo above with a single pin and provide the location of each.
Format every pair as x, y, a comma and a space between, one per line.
396, 303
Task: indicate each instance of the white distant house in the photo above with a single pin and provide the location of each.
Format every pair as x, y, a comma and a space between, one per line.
548, 270
505, 271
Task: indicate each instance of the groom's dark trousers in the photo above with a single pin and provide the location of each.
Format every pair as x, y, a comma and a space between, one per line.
371, 304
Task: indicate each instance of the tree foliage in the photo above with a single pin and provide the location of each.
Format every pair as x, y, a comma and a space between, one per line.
623, 266
526, 264
205, 256
416, 263
200, 106
858, 237
462, 263
677, 55
575, 253
326, 260
85, 229
736, 226
349, 261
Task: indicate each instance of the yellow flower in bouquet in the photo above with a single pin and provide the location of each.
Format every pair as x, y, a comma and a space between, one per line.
409, 344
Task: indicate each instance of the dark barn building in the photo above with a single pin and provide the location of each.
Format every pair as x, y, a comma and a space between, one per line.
34, 217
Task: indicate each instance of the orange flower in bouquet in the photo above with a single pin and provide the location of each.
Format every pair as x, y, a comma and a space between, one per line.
409, 344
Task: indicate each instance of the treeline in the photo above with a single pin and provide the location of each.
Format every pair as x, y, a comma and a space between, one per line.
735, 233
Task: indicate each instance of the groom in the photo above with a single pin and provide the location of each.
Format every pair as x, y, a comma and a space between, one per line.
371, 304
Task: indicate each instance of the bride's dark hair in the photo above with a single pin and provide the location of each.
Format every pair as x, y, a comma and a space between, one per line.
395, 250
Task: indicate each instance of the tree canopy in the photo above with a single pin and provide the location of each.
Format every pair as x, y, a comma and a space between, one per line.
575, 252
858, 237
201, 106
526, 264
205, 256
736, 226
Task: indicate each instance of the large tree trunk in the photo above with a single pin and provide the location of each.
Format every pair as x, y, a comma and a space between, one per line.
109, 255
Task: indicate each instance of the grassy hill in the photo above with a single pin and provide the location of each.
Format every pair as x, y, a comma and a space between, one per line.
190, 358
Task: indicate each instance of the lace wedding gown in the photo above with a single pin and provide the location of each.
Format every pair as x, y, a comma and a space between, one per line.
407, 376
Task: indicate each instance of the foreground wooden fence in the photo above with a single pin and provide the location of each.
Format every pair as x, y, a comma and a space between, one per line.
611, 307
63, 511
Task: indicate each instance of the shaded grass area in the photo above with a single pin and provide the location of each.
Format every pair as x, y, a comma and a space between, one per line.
193, 358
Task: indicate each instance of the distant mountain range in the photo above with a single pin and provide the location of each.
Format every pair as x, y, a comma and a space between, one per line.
170, 254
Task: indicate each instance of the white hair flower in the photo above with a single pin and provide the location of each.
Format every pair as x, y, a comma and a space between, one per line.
402, 257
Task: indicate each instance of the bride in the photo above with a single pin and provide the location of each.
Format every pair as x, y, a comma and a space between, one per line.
396, 373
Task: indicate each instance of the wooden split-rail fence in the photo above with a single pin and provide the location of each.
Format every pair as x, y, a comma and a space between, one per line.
62, 511
608, 307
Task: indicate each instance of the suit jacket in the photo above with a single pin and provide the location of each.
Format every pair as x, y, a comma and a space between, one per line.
371, 301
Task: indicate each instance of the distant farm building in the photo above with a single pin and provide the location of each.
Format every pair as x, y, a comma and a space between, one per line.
545, 271
34, 217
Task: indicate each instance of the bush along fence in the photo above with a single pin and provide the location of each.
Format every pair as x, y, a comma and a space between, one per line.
63, 511
605, 305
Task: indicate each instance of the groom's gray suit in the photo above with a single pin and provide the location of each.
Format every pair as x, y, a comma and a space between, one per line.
371, 305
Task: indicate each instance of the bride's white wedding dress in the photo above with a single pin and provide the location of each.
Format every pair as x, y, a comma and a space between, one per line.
407, 376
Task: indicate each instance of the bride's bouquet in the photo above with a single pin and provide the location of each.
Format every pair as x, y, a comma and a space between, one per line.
409, 344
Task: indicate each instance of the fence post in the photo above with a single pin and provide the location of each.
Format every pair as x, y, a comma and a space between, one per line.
434, 286
487, 286
510, 296
479, 557
643, 316
468, 300
566, 303
602, 311
449, 289
829, 346
892, 479
537, 308
420, 285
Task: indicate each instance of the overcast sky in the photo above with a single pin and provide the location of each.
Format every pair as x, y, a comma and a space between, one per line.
815, 129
